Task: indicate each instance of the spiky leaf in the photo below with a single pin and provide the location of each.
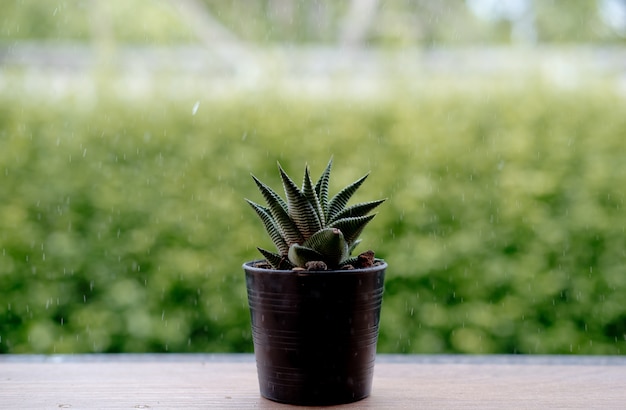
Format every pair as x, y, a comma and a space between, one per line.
277, 261
307, 227
352, 227
339, 201
311, 196
352, 246
270, 226
279, 210
361, 209
321, 187
301, 212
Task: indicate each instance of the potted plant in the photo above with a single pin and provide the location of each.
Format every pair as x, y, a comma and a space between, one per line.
314, 308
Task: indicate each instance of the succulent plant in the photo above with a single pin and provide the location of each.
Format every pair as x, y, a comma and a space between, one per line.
309, 229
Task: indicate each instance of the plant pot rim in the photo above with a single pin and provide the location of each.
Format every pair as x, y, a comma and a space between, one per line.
250, 267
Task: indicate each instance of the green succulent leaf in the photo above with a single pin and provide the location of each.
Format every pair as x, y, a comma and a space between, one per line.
308, 227
321, 187
270, 226
361, 209
270, 196
279, 211
299, 255
330, 243
277, 261
350, 261
301, 211
339, 201
311, 196
352, 227
352, 246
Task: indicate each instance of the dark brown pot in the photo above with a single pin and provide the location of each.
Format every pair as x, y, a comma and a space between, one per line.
315, 333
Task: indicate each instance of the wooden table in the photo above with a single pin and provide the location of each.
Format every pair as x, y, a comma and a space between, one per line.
230, 381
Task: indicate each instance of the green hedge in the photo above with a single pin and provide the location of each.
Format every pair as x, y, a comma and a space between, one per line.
123, 226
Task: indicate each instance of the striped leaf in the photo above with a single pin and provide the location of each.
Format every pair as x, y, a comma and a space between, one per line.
311, 196
352, 227
307, 226
339, 201
361, 209
350, 261
301, 211
321, 188
270, 226
278, 209
277, 261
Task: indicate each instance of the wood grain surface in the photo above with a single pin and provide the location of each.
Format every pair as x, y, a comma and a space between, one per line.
230, 381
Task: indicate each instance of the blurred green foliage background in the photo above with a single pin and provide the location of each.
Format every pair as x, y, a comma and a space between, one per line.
123, 226
129, 129
393, 23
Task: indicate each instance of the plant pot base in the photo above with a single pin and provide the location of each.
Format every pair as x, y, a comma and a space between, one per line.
315, 333
344, 392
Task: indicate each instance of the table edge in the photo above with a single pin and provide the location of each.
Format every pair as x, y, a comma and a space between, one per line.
496, 359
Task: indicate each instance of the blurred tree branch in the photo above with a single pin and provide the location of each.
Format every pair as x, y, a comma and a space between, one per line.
357, 22
213, 34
